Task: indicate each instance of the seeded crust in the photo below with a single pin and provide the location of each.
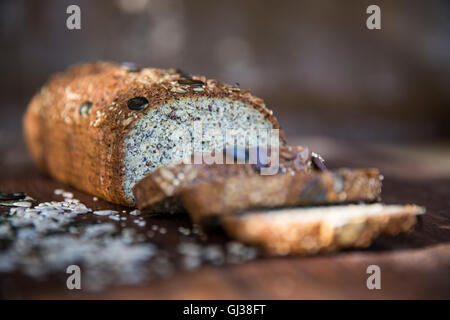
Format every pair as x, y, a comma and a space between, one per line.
245, 192
87, 150
307, 231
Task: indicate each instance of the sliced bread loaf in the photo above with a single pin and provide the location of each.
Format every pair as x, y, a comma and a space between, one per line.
102, 126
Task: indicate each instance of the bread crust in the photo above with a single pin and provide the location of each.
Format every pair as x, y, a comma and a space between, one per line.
87, 151
306, 238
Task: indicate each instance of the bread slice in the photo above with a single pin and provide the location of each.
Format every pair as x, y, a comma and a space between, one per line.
243, 192
172, 180
102, 127
313, 230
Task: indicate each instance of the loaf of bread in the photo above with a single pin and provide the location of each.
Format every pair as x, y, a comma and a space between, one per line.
102, 127
313, 230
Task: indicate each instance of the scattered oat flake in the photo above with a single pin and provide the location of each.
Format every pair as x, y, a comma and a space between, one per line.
141, 223
95, 199
184, 231
25, 204
68, 195
105, 212
135, 213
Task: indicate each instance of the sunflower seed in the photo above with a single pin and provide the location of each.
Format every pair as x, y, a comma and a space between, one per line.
191, 82
318, 162
178, 90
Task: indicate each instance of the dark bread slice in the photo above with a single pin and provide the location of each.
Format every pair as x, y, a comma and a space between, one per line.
171, 180
313, 230
243, 192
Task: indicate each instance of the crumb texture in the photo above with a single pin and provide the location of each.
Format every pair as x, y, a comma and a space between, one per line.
170, 133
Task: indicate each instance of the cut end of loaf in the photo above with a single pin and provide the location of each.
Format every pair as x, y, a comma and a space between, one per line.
320, 229
151, 143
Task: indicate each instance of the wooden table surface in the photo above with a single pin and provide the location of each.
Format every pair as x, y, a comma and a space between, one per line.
412, 266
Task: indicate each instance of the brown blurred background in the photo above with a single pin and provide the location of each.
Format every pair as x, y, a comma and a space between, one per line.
314, 62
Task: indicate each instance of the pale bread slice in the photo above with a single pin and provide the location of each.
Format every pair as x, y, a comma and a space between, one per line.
311, 230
